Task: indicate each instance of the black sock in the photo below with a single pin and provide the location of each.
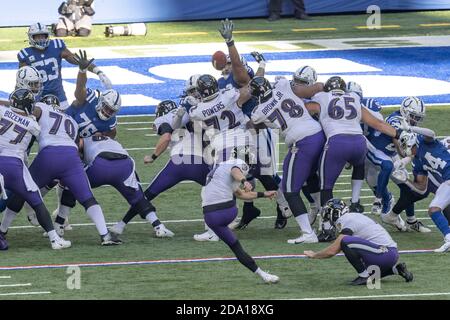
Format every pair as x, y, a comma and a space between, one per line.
43, 217
325, 195
60, 220
243, 257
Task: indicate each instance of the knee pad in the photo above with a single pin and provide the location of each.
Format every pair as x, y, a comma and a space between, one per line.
89, 203
143, 207
61, 32
83, 32
15, 203
358, 172
67, 199
296, 203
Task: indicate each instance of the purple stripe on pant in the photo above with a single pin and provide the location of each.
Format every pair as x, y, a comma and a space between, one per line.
195, 169
219, 220
339, 150
373, 254
11, 169
114, 173
305, 156
62, 163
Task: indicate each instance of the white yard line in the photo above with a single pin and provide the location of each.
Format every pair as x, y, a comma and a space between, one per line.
400, 295
137, 122
5, 277
24, 293
138, 129
15, 285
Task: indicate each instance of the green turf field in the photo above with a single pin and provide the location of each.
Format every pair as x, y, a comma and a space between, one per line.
332, 26
300, 278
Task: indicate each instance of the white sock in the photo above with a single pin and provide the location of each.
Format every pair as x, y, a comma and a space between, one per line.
259, 272
96, 214
411, 219
356, 190
120, 225
316, 198
8, 217
63, 211
447, 238
151, 217
303, 222
364, 274
52, 235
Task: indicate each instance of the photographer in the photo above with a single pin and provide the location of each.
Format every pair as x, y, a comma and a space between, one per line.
76, 18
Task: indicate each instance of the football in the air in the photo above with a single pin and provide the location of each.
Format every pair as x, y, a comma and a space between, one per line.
219, 60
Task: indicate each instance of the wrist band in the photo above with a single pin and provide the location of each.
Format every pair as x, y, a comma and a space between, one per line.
230, 43
154, 156
260, 195
398, 133
96, 70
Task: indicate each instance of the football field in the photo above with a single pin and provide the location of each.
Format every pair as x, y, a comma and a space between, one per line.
145, 267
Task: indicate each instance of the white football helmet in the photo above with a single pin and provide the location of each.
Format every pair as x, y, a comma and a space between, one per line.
407, 141
109, 104
305, 75
354, 87
37, 29
29, 78
191, 86
413, 110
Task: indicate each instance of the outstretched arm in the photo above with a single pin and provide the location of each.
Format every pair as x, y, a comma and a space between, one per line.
328, 252
379, 125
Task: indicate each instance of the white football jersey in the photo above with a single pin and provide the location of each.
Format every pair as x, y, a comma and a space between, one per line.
57, 128
220, 185
16, 132
223, 120
339, 113
365, 228
94, 145
287, 112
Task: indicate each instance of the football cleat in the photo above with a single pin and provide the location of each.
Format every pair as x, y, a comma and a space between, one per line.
232, 225
162, 232
388, 205
417, 226
359, 281
305, 238
206, 236
3, 241
60, 243
403, 272
247, 217
269, 278
444, 248
31, 217
395, 220
110, 239
280, 223
356, 207
377, 207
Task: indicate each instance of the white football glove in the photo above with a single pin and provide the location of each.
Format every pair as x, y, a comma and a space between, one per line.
404, 125
400, 176
278, 78
181, 112
104, 80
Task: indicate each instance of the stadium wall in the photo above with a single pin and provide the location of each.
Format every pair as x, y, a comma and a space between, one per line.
121, 11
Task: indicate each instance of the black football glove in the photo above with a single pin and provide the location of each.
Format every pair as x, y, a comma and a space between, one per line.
226, 30
82, 60
257, 56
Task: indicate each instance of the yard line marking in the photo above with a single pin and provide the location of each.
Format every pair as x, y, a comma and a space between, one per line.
24, 293
5, 277
382, 296
391, 26
136, 149
349, 190
177, 261
150, 134
434, 24
15, 285
313, 29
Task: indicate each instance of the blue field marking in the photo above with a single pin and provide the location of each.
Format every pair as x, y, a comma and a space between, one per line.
408, 62
174, 261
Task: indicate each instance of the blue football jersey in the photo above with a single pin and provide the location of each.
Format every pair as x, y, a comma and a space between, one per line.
374, 106
433, 158
48, 63
248, 107
87, 118
382, 141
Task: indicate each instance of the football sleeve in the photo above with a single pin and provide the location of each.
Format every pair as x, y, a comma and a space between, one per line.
112, 123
